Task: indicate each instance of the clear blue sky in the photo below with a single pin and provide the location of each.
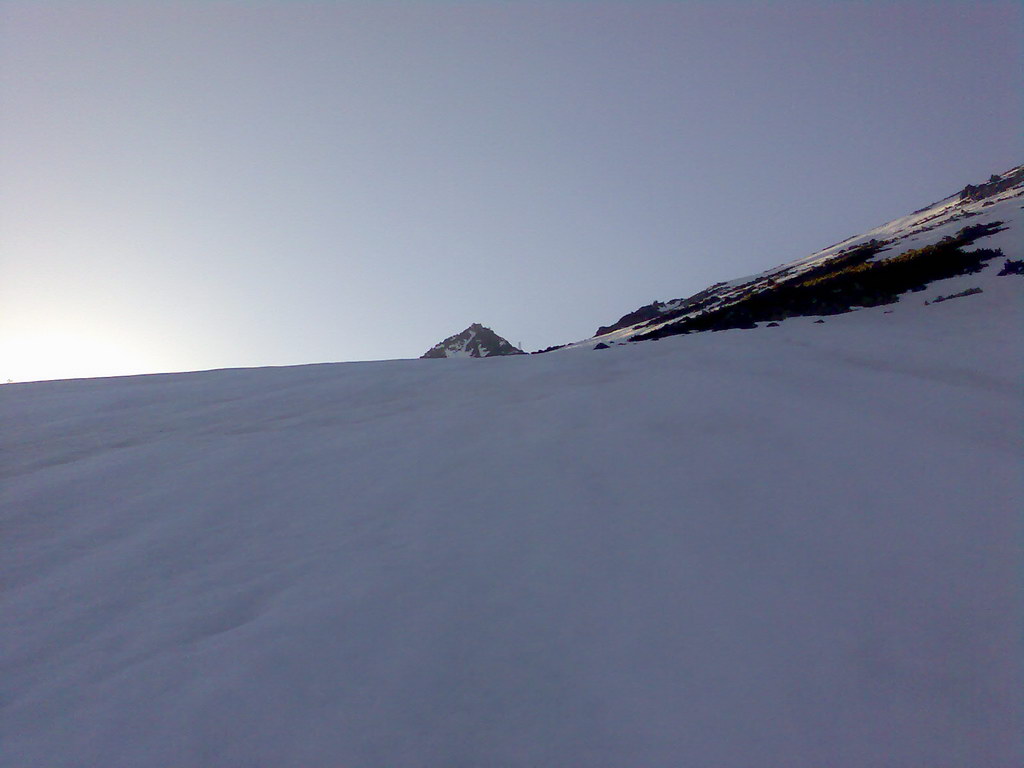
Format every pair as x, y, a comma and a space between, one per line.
201, 184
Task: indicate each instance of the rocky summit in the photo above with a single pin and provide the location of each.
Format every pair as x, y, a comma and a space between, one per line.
475, 341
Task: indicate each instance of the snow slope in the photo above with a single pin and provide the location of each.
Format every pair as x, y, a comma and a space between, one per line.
792, 546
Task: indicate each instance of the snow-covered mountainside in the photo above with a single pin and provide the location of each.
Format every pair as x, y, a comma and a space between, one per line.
784, 546
475, 341
796, 287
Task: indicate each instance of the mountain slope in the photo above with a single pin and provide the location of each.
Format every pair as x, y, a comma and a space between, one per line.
793, 546
977, 209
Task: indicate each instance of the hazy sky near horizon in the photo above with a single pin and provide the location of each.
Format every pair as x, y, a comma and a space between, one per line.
190, 185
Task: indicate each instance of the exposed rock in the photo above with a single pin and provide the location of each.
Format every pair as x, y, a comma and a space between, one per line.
993, 186
968, 292
475, 341
648, 312
549, 349
658, 311
840, 284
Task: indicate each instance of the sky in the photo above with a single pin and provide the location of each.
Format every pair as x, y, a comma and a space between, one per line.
194, 185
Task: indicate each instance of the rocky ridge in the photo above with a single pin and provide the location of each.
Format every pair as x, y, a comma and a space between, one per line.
865, 270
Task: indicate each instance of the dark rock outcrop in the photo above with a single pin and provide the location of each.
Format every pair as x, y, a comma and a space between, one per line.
657, 311
1012, 267
842, 284
648, 312
993, 186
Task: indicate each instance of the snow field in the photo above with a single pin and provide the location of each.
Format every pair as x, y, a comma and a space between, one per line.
791, 546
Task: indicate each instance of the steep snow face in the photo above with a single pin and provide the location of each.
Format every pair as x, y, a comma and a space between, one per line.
475, 341
1000, 199
794, 546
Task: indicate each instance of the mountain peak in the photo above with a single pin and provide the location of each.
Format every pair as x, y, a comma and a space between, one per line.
476, 341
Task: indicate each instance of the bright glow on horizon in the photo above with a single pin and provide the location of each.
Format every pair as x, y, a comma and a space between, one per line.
61, 353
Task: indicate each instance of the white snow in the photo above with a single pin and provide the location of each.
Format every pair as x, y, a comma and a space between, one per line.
793, 546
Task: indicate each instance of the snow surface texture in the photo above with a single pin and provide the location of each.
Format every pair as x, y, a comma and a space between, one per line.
796, 546
790, 546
